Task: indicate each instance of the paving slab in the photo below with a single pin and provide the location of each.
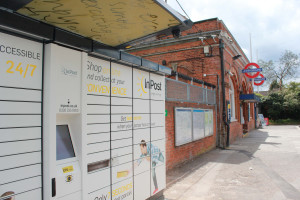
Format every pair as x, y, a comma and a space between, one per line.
264, 165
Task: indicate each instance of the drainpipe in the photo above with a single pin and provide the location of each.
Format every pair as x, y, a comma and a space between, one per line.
221, 47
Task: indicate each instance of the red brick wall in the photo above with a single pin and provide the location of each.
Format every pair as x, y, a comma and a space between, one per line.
191, 61
177, 155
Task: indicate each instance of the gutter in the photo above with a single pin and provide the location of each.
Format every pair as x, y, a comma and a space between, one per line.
226, 123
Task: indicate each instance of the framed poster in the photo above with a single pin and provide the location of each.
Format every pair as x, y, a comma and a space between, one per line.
183, 126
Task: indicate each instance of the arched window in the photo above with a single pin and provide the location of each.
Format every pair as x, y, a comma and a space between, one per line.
232, 100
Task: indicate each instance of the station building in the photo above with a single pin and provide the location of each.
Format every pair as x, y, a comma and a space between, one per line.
206, 81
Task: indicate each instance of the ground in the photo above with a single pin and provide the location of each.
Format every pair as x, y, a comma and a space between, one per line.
264, 165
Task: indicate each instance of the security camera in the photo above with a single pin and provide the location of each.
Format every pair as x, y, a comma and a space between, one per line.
213, 37
230, 74
202, 39
176, 33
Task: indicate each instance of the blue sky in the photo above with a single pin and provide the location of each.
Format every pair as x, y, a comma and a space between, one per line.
274, 24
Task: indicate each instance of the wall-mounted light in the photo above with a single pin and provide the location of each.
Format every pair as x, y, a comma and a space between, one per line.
164, 62
236, 57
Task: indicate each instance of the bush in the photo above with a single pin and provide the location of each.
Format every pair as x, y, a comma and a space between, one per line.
283, 104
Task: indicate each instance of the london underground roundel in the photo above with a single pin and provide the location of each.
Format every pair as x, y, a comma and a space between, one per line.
248, 74
261, 82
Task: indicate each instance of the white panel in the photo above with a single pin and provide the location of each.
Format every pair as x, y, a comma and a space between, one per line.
141, 134
157, 120
121, 172
198, 124
10, 148
158, 133
157, 106
90, 119
19, 120
141, 121
121, 109
141, 165
20, 108
22, 186
121, 118
95, 157
123, 190
32, 195
121, 80
121, 160
141, 106
20, 94
98, 180
121, 135
93, 99
97, 109
140, 87
121, 101
20, 134
94, 138
121, 126
67, 63
12, 60
137, 150
121, 143
98, 128
103, 194
93, 148
160, 173
142, 186
98, 76
8, 162
20, 173
161, 144
183, 126
157, 86
121, 151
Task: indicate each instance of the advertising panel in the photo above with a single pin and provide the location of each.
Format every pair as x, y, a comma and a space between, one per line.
198, 124
21, 68
183, 122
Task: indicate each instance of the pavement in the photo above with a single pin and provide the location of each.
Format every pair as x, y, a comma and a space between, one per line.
264, 165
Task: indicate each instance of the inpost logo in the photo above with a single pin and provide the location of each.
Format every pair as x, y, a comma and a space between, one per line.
145, 83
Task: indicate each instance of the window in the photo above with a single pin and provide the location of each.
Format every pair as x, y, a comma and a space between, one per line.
232, 100
192, 124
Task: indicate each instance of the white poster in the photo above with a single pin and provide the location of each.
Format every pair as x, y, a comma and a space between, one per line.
198, 124
183, 123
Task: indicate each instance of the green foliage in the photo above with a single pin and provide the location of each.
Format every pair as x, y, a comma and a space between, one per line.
284, 122
283, 104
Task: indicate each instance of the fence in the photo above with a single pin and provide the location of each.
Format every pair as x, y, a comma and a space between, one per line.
180, 91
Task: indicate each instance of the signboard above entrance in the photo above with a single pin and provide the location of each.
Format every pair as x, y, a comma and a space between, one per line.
113, 22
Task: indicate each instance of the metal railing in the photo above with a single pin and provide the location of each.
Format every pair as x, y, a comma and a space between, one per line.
184, 92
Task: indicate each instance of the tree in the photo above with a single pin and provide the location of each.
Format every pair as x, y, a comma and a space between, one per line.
274, 86
281, 70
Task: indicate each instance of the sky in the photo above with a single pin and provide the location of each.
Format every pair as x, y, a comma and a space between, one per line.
274, 25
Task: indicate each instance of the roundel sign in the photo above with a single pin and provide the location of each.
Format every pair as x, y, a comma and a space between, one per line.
261, 80
255, 70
